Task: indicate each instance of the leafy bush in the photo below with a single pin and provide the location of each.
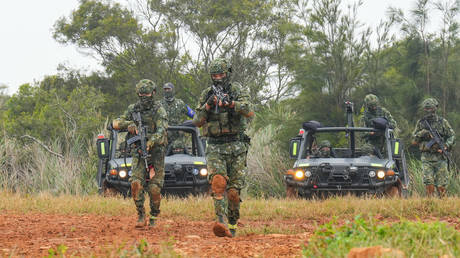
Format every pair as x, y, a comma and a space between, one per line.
415, 239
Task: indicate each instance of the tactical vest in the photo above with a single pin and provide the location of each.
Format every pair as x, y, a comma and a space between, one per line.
437, 125
148, 116
226, 122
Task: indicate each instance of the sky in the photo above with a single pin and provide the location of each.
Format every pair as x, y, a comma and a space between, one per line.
28, 51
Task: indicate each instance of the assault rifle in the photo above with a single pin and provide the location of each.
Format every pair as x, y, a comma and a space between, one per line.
436, 139
142, 138
221, 97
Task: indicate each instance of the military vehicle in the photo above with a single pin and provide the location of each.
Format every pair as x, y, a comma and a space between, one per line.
349, 168
185, 166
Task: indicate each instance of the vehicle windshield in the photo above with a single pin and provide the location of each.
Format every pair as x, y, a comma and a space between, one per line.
181, 142
338, 145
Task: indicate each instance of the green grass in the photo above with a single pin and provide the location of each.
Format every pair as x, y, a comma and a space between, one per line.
256, 209
415, 239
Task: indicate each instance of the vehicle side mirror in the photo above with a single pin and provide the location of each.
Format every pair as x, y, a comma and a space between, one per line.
396, 148
294, 147
103, 149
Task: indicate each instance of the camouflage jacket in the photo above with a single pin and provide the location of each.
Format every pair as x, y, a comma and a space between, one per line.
226, 121
366, 119
154, 118
176, 109
421, 134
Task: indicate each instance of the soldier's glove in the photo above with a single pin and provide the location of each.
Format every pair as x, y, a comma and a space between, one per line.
211, 102
424, 133
150, 145
132, 129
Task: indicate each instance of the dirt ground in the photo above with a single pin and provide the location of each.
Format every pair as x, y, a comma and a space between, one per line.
32, 235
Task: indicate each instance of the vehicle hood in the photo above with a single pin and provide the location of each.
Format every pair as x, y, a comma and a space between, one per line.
184, 159
120, 162
359, 162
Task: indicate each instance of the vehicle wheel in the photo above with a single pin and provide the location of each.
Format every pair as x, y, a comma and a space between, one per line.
108, 191
393, 192
291, 192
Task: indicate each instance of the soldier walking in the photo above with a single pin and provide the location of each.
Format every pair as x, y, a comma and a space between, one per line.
434, 162
222, 111
147, 179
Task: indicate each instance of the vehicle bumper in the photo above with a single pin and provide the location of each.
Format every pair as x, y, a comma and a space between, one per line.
374, 187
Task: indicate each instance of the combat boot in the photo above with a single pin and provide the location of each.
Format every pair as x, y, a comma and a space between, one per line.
429, 190
220, 229
232, 229
152, 221
442, 191
140, 220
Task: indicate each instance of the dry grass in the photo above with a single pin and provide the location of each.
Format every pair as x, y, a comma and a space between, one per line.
201, 208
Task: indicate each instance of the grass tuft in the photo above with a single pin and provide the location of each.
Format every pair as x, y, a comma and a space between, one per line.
415, 239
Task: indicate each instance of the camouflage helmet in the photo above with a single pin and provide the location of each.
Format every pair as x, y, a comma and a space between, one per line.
371, 100
220, 65
145, 86
324, 144
430, 103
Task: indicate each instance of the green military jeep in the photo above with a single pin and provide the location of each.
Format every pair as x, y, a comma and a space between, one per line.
349, 168
185, 167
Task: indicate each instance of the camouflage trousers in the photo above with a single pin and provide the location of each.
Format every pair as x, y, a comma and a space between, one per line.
153, 186
435, 170
228, 160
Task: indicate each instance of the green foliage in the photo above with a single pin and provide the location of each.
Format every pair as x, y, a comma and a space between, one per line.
415, 239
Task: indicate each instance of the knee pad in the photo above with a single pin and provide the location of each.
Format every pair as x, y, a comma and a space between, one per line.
218, 186
233, 196
155, 192
136, 188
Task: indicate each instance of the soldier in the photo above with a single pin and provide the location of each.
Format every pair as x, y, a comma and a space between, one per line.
176, 109
153, 118
223, 120
372, 110
434, 163
322, 151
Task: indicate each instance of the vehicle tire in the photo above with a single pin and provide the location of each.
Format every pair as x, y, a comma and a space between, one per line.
393, 192
291, 192
108, 191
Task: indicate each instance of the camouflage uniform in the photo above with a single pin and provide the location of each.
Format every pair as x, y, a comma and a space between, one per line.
154, 118
373, 110
176, 110
227, 150
434, 164
324, 150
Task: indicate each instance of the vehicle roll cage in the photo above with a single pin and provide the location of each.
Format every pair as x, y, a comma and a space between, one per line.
307, 141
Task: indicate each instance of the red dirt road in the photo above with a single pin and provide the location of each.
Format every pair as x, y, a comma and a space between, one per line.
32, 235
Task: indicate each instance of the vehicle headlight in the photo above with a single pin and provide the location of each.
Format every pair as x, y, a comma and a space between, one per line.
122, 173
308, 173
203, 172
372, 173
380, 174
299, 174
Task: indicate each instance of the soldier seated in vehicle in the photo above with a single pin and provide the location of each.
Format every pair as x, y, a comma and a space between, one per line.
323, 150
368, 150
